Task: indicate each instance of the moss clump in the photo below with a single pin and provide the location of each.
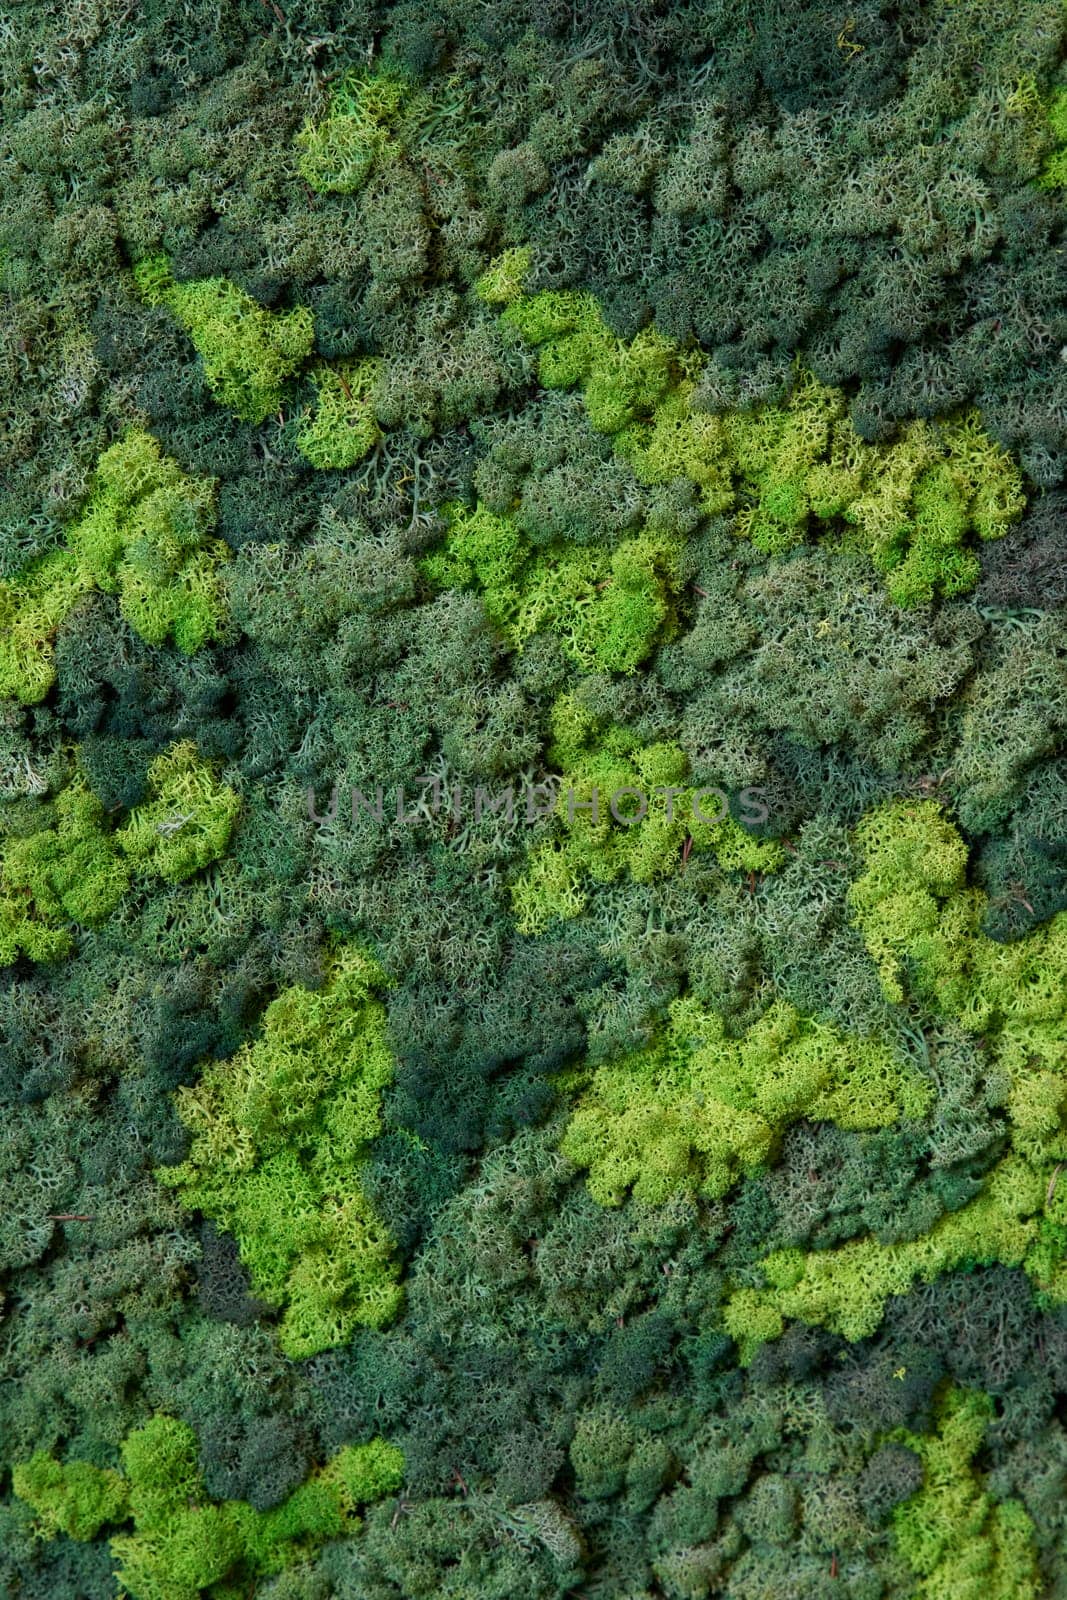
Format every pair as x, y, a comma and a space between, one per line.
342, 427
279, 1135
187, 822
248, 353
698, 1109
786, 471
182, 1545
608, 608
922, 926
145, 535
961, 1543
338, 153
76, 868
625, 812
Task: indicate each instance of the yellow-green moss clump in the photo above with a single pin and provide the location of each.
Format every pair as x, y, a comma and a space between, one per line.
697, 1109
248, 352
1054, 174
338, 153
922, 925
959, 1542
607, 607
182, 1544
790, 472
343, 426
608, 845
76, 868
279, 1135
145, 535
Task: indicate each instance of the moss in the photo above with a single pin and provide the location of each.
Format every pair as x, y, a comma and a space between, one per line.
625, 812
73, 872
248, 353
959, 1541
32, 608
343, 426
922, 926
788, 471
182, 1545
144, 535
77, 1499
1054, 172
77, 868
279, 1136
504, 280
608, 608
187, 821
338, 153
689, 309
846, 1289
698, 1109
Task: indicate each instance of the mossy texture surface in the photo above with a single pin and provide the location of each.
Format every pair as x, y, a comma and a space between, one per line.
533, 837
